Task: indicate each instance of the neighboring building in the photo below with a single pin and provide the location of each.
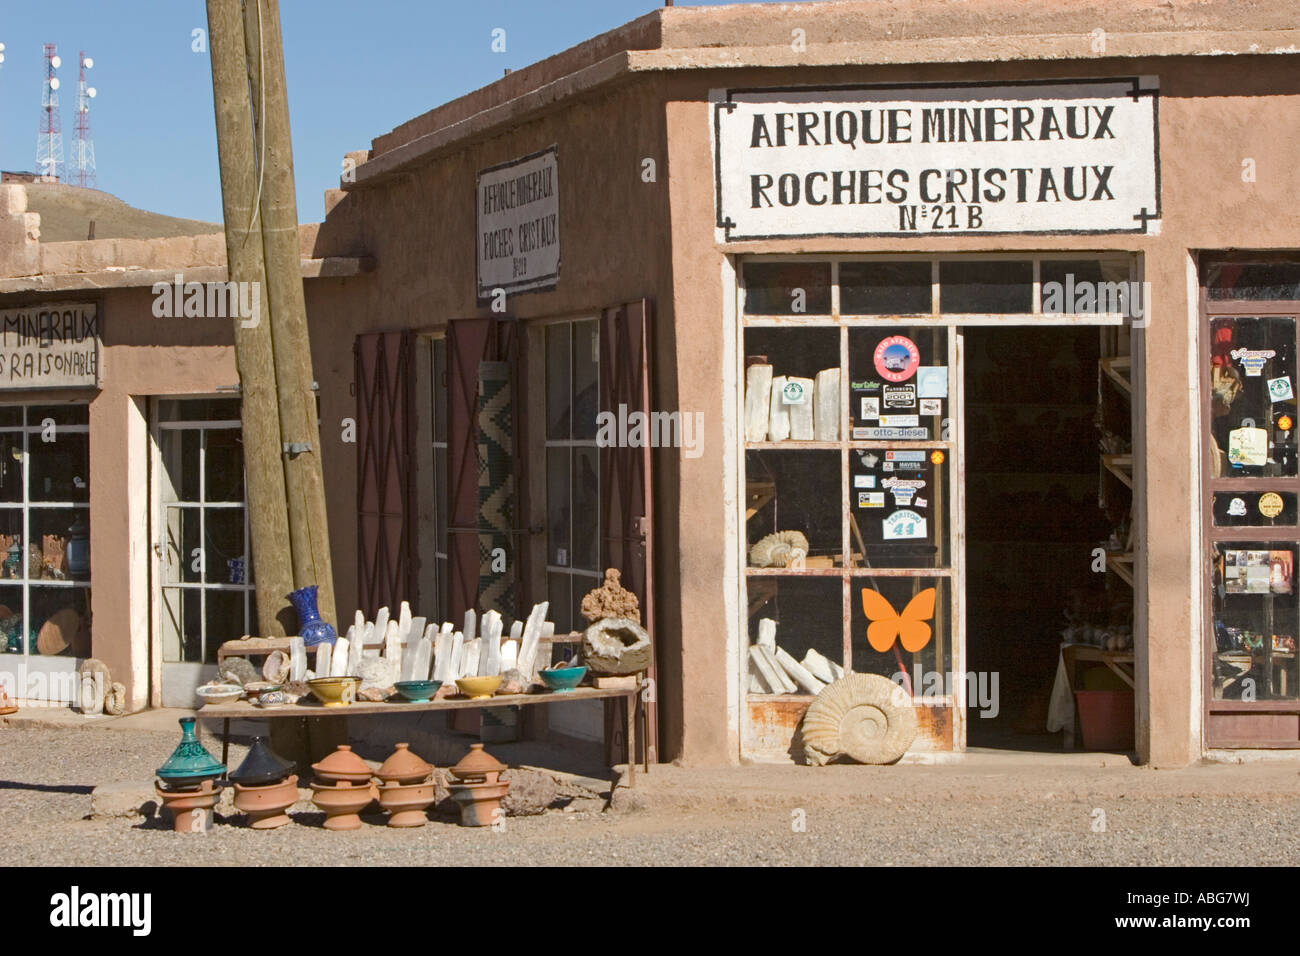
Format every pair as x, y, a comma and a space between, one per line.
934, 207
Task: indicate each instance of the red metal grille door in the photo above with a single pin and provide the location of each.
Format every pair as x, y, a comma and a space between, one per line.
385, 467
626, 542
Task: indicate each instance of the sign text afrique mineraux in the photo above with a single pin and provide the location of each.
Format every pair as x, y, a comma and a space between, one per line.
1069, 157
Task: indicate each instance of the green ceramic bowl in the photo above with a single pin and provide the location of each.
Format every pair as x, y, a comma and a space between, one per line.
418, 691
563, 679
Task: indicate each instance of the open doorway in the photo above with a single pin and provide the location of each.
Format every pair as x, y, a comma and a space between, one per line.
1039, 502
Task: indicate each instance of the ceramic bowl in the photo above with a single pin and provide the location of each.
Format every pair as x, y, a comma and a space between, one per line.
562, 679
272, 698
219, 693
335, 691
418, 691
256, 688
476, 688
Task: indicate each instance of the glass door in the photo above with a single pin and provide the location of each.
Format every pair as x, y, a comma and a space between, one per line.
853, 508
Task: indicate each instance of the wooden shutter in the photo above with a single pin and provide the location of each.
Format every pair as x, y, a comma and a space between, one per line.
470, 342
385, 468
625, 484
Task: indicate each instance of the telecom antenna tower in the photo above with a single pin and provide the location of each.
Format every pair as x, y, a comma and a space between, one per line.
84, 158
49, 144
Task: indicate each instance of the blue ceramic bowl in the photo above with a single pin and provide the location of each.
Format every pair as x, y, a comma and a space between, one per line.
563, 678
418, 691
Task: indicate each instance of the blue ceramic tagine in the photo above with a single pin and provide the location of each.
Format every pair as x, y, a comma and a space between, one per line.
189, 765
261, 767
311, 627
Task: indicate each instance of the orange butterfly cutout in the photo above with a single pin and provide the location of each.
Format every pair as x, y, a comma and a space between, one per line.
910, 627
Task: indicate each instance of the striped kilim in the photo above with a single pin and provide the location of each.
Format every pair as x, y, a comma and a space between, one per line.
495, 488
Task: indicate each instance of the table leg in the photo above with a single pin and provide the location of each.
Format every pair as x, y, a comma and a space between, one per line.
225, 740
629, 712
644, 725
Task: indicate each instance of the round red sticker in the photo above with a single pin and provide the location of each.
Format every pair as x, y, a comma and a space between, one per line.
897, 358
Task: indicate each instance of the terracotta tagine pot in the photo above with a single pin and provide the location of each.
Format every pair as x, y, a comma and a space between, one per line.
189, 765
406, 802
261, 767
478, 766
191, 807
404, 767
480, 803
343, 766
7, 706
343, 803
265, 805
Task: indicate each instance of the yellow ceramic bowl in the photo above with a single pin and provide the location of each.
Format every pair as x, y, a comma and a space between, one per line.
335, 691
476, 688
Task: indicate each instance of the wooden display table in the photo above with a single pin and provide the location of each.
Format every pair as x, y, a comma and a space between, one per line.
310, 707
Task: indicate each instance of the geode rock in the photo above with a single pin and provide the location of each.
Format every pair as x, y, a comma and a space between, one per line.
611, 599
377, 672
513, 682
239, 670
616, 645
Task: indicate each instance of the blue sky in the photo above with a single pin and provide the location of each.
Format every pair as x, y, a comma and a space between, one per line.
354, 71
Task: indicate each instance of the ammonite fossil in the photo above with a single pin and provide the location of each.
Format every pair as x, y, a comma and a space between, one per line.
778, 550
866, 717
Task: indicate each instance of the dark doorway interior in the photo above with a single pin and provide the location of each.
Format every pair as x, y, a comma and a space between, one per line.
1032, 518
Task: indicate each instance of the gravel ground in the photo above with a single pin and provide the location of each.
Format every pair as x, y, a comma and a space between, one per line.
1018, 814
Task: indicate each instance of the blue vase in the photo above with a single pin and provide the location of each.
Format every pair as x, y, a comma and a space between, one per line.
311, 628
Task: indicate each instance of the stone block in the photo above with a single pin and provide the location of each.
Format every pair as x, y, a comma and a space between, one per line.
124, 799
531, 792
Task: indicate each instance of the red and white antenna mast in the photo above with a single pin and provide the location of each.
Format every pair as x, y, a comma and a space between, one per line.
49, 144
84, 158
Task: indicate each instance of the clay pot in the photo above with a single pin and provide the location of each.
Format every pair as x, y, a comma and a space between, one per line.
478, 766
343, 803
403, 767
406, 803
190, 807
479, 802
343, 766
265, 804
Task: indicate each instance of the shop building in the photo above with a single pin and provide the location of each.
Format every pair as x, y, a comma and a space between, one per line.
1030, 276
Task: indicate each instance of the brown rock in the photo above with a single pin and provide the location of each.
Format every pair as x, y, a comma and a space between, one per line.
374, 694
531, 792
611, 599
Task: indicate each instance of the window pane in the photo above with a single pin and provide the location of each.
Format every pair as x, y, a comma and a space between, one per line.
782, 288
182, 623
809, 618
558, 516
885, 288
182, 558
586, 509
11, 416
60, 536
11, 466
11, 619
558, 381
559, 591
198, 409
60, 469
586, 397
61, 617
75, 414
439, 386
1252, 383
986, 286
224, 556
225, 611
920, 620
224, 463
794, 494
1233, 509
898, 383
1255, 621
179, 449
1254, 281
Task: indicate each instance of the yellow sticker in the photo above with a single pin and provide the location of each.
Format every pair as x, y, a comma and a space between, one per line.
1285, 423
1270, 504
936, 457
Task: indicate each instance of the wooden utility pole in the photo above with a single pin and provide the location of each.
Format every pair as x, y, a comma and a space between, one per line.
299, 425
268, 516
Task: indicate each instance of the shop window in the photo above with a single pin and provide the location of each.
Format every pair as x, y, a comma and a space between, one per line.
1254, 281
878, 287
1256, 620
986, 286
572, 468
206, 575
45, 530
788, 288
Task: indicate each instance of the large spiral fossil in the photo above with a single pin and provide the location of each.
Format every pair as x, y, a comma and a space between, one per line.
862, 716
778, 550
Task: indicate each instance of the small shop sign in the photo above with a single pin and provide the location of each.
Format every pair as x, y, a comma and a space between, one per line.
1067, 157
518, 217
51, 345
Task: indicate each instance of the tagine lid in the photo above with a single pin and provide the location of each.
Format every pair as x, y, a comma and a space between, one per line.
190, 762
477, 763
403, 765
342, 760
261, 766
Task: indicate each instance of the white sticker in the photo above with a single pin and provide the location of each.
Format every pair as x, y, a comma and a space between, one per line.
903, 496
891, 434
870, 408
904, 524
932, 406
793, 393
1279, 389
1253, 360
899, 421
561, 557
920, 502
932, 381
1237, 507
887, 466
871, 499
864, 481
904, 455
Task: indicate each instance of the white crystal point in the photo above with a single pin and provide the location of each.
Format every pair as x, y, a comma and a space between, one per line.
778, 420
798, 672
297, 659
767, 634
509, 656
758, 399
826, 405
471, 625
324, 659
801, 415
818, 665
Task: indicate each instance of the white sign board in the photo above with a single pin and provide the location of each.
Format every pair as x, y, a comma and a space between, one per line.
54, 345
519, 225
1077, 156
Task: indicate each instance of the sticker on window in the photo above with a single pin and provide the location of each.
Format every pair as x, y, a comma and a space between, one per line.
904, 524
